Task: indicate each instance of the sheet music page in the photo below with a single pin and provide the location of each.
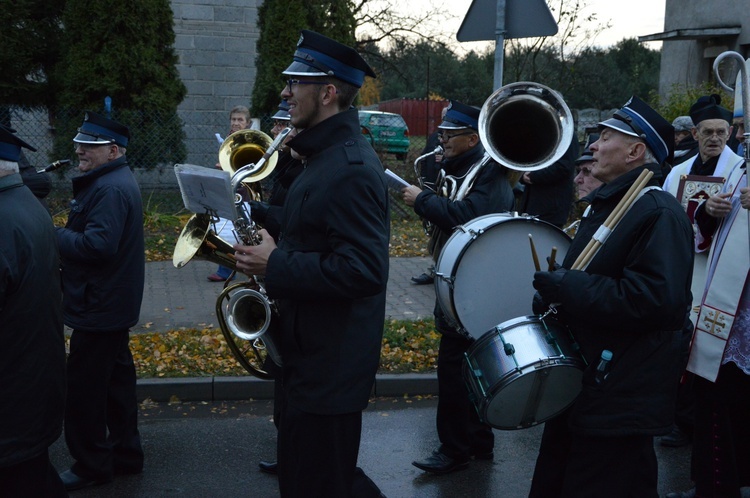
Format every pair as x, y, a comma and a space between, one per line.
394, 181
206, 190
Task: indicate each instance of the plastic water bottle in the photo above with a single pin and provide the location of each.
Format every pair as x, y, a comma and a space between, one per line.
602, 369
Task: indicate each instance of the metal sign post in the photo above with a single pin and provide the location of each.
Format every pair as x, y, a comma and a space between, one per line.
512, 19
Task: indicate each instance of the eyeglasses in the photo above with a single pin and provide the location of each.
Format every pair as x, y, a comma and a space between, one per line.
445, 137
584, 171
291, 82
708, 132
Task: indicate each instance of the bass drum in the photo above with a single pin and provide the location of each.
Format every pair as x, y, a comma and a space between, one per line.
523, 372
485, 271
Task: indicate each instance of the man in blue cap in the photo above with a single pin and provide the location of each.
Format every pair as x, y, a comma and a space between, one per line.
103, 267
280, 119
327, 274
32, 359
469, 185
629, 304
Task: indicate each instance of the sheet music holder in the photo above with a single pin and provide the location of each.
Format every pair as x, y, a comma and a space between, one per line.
394, 181
206, 190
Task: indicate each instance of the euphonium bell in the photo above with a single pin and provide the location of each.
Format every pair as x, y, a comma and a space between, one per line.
198, 239
248, 321
248, 147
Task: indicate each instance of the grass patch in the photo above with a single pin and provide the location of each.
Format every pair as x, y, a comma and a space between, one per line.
408, 347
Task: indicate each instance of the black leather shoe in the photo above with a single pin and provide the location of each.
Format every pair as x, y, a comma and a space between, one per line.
675, 439
438, 463
423, 279
690, 493
73, 481
268, 467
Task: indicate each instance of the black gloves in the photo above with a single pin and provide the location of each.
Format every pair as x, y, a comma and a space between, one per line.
547, 283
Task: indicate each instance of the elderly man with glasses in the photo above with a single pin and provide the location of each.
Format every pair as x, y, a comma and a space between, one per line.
467, 187
103, 268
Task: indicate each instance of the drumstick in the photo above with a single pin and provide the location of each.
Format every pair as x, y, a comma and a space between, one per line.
613, 219
552, 259
533, 254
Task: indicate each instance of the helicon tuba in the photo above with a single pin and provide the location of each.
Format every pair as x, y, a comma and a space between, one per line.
244, 311
526, 126
523, 126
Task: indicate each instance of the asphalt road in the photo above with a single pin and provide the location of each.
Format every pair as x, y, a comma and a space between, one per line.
204, 449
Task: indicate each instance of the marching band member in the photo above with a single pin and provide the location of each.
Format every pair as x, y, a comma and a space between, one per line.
469, 185
631, 301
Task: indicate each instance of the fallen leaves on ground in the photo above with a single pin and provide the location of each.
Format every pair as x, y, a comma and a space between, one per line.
408, 347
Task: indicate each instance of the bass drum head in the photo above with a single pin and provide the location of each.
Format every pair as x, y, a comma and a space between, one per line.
494, 275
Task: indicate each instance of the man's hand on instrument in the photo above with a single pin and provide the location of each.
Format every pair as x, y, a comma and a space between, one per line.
745, 197
539, 306
410, 194
253, 260
547, 283
719, 205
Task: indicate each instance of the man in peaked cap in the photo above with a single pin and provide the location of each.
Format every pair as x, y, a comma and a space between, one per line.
280, 119
461, 433
631, 300
685, 146
32, 359
584, 180
327, 273
103, 265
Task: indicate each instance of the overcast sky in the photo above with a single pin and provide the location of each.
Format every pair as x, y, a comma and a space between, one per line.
631, 18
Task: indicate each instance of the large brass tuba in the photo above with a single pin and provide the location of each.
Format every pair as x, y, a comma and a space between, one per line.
244, 312
525, 126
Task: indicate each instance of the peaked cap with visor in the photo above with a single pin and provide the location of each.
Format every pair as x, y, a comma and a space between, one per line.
98, 130
638, 119
10, 145
318, 55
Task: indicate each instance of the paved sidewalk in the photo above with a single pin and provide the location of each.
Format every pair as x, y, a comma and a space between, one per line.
185, 298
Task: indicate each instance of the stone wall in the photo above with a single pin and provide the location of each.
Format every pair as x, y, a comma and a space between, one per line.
215, 42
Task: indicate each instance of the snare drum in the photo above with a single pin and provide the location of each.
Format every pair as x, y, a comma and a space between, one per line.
485, 271
523, 372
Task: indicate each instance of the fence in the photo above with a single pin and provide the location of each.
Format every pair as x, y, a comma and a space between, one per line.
197, 132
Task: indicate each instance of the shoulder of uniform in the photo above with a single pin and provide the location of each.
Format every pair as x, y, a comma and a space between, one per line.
353, 151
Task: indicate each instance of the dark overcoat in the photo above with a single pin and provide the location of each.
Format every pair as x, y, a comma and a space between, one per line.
329, 272
32, 356
102, 250
632, 300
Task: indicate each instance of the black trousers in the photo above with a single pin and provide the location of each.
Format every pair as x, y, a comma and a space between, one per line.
461, 432
721, 439
101, 412
573, 466
318, 456
32, 478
